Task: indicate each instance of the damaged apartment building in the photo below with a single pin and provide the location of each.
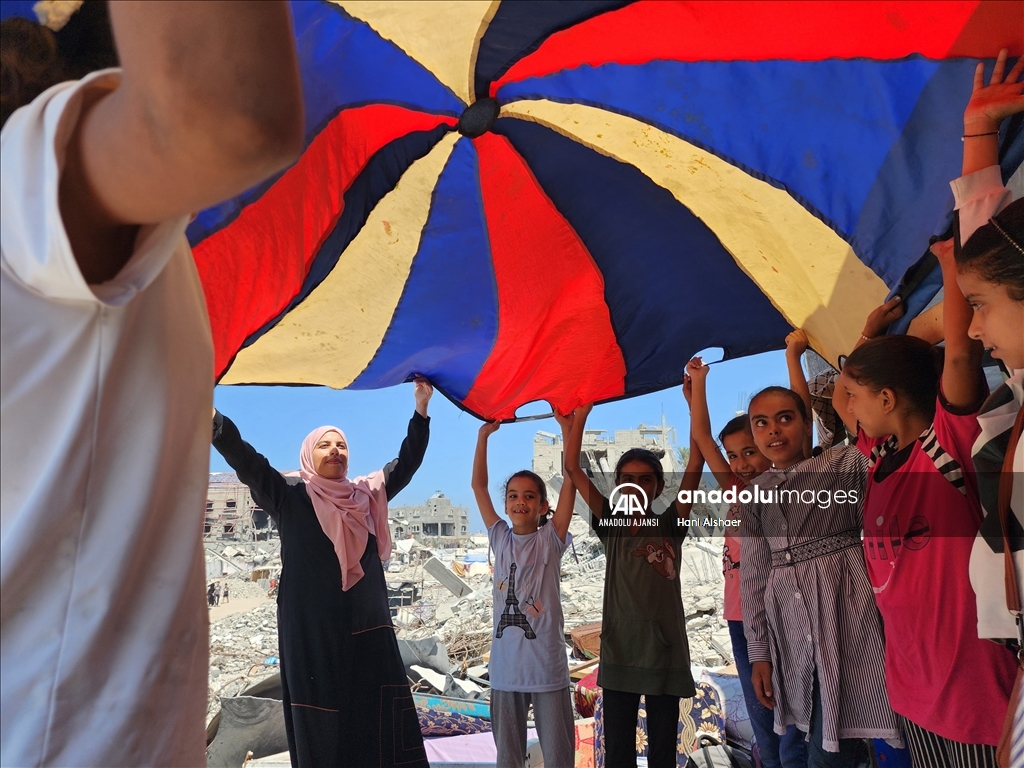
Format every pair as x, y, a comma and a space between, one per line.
231, 514
438, 523
600, 452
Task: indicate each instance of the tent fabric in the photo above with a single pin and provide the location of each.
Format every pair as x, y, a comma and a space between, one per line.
567, 200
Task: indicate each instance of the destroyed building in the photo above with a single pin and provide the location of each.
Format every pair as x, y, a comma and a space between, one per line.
601, 450
438, 523
231, 514
599, 454
440, 592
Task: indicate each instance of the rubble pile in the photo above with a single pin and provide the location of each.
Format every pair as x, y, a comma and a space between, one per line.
460, 620
244, 557
242, 589
243, 650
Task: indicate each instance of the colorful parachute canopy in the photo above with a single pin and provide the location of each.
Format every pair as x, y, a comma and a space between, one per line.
566, 200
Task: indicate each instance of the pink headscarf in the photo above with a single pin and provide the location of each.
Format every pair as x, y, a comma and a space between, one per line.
348, 510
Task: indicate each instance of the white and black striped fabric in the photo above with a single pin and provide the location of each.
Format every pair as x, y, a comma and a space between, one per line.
820, 614
996, 419
1017, 737
947, 466
929, 750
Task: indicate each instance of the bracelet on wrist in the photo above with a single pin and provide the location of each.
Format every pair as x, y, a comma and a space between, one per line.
967, 136
866, 338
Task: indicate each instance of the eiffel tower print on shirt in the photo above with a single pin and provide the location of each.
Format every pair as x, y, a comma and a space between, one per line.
512, 616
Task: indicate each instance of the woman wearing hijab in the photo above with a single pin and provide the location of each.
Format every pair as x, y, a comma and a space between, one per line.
346, 697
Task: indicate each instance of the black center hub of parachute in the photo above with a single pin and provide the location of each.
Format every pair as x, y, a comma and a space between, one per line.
479, 117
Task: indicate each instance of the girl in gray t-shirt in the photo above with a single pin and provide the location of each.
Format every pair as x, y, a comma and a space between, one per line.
528, 662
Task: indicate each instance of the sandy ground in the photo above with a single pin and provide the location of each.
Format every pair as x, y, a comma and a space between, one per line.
240, 605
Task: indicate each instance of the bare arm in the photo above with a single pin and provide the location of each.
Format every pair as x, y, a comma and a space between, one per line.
988, 106
573, 471
567, 494
700, 424
796, 345
962, 383
691, 476
480, 478
209, 104
980, 193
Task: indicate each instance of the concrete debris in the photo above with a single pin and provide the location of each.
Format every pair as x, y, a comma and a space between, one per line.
446, 576
239, 647
242, 589
243, 560
435, 679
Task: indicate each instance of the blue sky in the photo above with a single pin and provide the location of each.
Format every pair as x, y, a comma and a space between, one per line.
276, 419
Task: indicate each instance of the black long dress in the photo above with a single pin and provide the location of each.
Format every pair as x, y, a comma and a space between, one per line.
346, 697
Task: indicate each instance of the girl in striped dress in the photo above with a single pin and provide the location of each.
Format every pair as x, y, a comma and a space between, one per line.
814, 636
738, 469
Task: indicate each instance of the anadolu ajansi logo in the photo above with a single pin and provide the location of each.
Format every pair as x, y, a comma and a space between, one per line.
628, 503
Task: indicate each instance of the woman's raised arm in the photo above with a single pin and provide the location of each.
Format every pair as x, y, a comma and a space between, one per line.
268, 486
399, 472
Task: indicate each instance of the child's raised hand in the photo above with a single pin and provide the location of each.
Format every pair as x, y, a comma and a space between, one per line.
991, 103
882, 317
565, 422
796, 342
943, 250
582, 411
696, 369
488, 428
687, 388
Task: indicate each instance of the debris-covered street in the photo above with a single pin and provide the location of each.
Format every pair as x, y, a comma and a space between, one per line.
243, 646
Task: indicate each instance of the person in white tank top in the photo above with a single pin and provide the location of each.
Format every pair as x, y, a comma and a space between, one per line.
106, 376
